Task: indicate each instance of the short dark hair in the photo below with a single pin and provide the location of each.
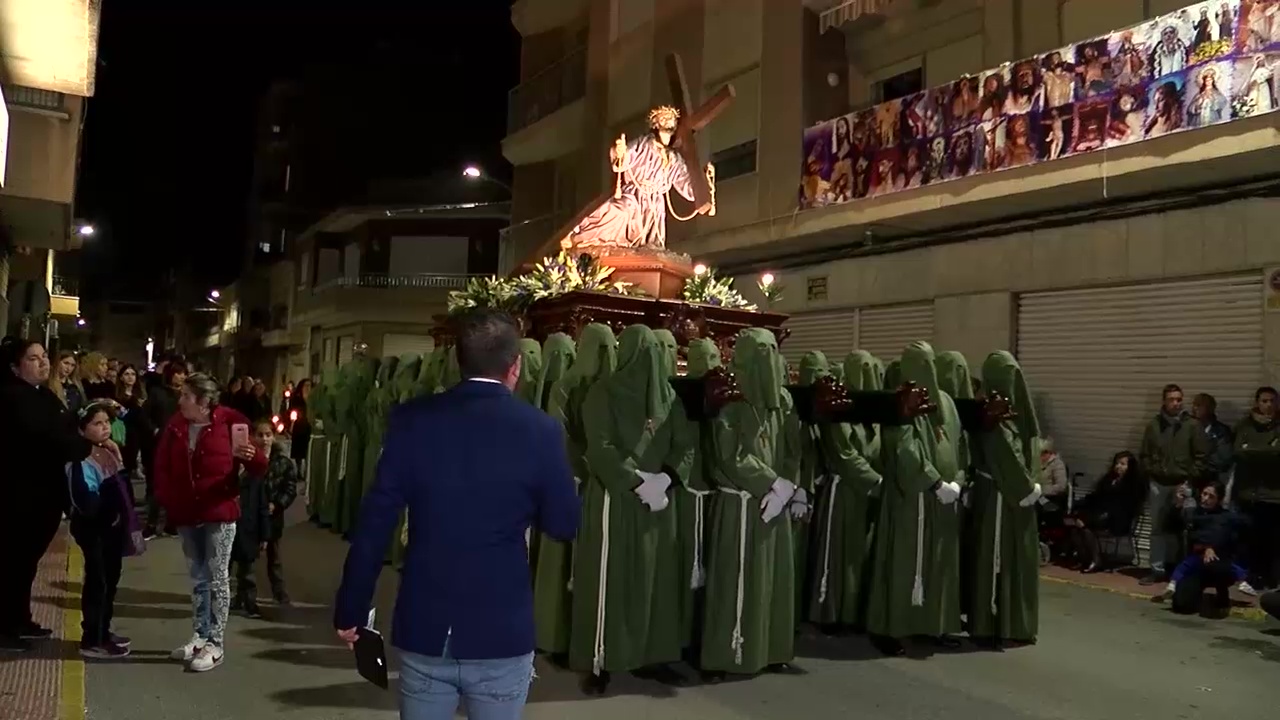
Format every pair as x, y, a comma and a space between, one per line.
1265, 389
1170, 388
1207, 401
488, 342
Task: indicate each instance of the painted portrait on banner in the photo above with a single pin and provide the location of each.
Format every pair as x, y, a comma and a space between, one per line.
1254, 89
1127, 115
1259, 26
1057, 132
963, 103
935, 160
1020, 145
995, 88
815, 179
887, 116
920, 118
1094, 75
1164, 106
962, 153
1213, 27
1026, 88
1205, 97
1130, 55
886, 175
913, 162
1058, 77
1091, 125
1171, 50
990, 141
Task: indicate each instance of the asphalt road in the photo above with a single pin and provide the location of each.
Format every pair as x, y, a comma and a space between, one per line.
1100, 656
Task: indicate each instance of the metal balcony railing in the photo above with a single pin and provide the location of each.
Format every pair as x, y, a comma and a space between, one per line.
385, 281
65, 286
560, 84
520, 240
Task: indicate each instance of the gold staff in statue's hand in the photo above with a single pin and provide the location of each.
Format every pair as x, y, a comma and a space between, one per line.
711, 181
618, 156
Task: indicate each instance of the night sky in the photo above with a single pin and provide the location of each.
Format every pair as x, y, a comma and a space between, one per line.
168, 141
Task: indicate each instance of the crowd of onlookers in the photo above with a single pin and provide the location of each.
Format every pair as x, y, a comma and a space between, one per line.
74, 430
1209, 491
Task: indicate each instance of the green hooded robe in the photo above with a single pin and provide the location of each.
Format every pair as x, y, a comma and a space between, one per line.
527, 388
335, 431
553, 575
377, 407
623, 559
360, 374
915, 586
846, 509
558, 354
1005, 583
693, 502
750, 603
670, 351
813, 471
450, 372
430, 371
402, 391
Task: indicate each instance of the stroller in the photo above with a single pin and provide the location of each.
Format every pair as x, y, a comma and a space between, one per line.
1055, 536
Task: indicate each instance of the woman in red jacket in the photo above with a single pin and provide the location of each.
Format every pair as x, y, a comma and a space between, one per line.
198, 459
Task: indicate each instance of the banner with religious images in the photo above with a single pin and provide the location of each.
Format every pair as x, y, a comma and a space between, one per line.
1208, 63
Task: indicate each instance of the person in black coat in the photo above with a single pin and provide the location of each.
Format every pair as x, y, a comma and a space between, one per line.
161, 405
38, 437
1111, 508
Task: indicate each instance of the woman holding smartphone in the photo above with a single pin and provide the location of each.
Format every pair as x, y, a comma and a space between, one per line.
198, 461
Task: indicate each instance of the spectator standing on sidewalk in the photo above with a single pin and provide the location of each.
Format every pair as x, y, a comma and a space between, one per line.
161, 406
37, 439
1173, 454
476, 467
198, 464
1218, 437
1257, 444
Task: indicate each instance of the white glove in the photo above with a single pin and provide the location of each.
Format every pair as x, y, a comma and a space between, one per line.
653, 490
777, 499
947, 492
799, 505
1031, 499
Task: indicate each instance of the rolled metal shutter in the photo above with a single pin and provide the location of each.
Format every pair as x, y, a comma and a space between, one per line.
834, 332
886, 331
400, 344
1097, 359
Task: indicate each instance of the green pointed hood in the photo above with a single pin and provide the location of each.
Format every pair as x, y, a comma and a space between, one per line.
837, 371
953, 375
639, 389
813, 365
530, 371
917, 366
758, 368
429, 371
450, 373
861, 371
1002, 374
892, 378
596, 357
670, 351
557, 357
406, 375
704, 354
386, 370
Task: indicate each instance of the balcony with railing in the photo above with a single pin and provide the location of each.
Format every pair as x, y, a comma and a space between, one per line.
376, 297
562, 83
519, 242
64, 296
411, 280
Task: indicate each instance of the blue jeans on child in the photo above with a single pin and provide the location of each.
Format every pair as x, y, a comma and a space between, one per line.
1194, 563
430, 687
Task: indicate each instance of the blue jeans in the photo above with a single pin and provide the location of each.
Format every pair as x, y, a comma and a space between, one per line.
208, 551
493, 689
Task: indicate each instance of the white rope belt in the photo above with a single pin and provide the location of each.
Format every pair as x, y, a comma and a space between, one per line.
597, 661
311, 450
826, 539
995, 553
697, 578
342, 459
917, 589
737, 641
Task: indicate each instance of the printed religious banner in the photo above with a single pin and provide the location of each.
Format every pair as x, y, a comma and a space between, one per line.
1211, 62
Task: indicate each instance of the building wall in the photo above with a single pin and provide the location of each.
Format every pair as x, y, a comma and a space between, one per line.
422, 255
42, 152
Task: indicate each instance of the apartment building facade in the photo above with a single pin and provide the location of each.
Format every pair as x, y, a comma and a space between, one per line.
1110, 268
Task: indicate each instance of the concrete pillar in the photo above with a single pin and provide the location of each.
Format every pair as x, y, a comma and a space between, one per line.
975, 324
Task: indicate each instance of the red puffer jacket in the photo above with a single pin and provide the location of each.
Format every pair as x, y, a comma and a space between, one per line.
202, 486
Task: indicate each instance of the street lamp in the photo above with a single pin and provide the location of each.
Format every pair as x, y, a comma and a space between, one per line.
86, 230
214, 294
80, 322
473, 172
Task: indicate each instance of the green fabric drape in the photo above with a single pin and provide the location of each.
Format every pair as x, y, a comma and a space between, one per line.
756, 441
450, 373
915, 587
406, 377
360, 374
527, 387
1004, 584
320, 409
846, 509
630, 426
558, 354
431, 371
954, 376
335, 431
670, 351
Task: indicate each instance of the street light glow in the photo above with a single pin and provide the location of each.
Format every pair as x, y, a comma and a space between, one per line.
214, 294
699, 269
767, 279
86, 230
80, 322
472, 172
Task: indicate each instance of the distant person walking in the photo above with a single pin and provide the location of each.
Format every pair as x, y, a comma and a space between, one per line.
38, 438
476, 467
198, 463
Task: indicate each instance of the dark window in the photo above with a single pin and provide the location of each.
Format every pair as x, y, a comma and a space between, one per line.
735, 161
817, 288
899, 86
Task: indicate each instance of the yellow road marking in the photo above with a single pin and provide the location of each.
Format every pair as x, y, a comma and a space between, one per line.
71, 705
1244, 613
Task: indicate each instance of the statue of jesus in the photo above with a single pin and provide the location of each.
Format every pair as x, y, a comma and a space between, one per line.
647, 169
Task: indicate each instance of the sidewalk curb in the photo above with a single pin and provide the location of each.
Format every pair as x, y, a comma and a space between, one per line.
1254, 614
71, 699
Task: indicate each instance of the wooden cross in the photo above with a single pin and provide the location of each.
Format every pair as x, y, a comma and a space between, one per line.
683, 142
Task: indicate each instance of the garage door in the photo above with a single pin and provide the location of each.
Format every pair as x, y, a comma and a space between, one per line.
400, 344
834, 332
886, 331
1096, 359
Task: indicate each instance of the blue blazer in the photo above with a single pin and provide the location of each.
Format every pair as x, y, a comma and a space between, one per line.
476, 467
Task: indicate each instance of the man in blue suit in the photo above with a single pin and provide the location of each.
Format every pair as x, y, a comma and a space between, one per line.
476, 467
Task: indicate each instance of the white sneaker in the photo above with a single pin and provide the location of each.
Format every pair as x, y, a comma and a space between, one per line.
1247, 589
187, 652
209, 657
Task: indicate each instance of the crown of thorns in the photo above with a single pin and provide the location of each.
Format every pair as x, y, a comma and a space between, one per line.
663, 117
